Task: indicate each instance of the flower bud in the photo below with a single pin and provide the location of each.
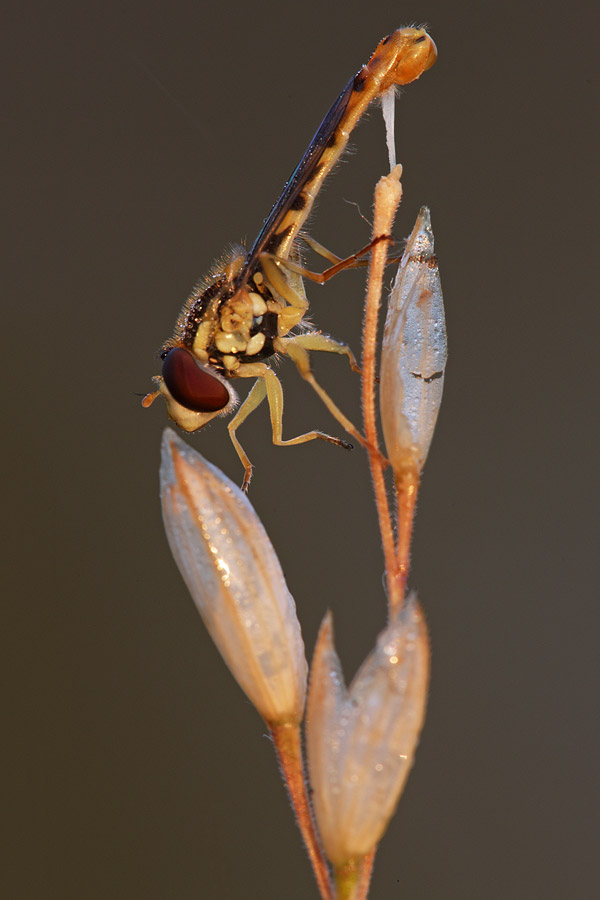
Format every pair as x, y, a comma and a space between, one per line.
361, 741
414, 352
234, 577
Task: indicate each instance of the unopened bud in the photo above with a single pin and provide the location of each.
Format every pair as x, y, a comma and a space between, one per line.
414, 352
230, 567
361, 741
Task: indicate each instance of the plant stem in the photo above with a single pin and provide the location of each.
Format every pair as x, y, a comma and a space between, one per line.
407, 488
347, 880
366, 871
388, 193
288, 746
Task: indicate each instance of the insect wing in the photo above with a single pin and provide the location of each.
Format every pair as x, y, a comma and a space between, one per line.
302, 173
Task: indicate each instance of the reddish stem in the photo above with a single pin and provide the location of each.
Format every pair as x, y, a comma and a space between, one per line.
387, 197
288, 747
407, 488
365, 875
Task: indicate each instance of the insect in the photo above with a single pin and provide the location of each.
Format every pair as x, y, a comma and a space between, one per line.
251, 305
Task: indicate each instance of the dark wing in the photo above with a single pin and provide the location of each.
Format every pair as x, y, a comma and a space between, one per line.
267, 239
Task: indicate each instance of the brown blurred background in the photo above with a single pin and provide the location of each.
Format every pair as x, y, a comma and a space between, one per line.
140, 139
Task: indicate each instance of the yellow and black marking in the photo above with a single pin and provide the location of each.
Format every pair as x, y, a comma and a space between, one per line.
251, 304
398, 59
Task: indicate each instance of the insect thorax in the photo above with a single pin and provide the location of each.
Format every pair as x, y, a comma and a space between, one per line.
230, 320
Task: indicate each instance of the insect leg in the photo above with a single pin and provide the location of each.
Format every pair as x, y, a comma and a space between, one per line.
271, 267
329, 255
254, 399
291, 315
275, 398
350, 262
319, 248
269, 384
314, 340
297, 351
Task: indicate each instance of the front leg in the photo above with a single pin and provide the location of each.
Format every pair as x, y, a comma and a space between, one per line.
254, 399
268, 385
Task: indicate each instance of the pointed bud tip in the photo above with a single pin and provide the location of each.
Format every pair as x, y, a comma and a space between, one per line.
411, 607
176, 454
421, 241
410, 616
171, 449
172, 446
424, 217
168, 449
325, 643
179, 463
326, 628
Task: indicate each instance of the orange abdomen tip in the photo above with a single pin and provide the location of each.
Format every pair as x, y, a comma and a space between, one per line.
408, 52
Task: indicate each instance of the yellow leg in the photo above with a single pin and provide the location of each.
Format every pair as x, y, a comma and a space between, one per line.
353, 262
319, 248
272, 268
296, 348
254, 399
268, 384
314, 340
292, 314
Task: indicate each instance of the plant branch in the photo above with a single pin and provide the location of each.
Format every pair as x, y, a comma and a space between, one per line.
406, 485
347, 880
364, 881
388, 193
288, 747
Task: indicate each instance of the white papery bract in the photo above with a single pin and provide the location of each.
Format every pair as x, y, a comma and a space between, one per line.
230, 567
361, 741
414, 352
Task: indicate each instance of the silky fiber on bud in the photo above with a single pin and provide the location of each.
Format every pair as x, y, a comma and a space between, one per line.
230, 567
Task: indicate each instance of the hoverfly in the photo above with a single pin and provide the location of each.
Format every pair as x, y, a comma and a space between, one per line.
251, 306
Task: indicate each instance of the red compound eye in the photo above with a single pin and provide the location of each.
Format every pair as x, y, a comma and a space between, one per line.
193, 387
